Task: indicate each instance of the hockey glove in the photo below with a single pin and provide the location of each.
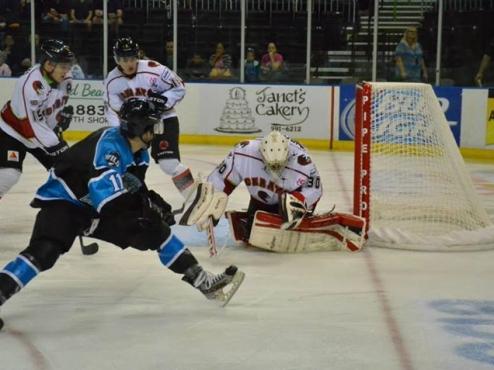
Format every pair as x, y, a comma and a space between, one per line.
160, 206
56, 150
158, 100
292, 209
66, 117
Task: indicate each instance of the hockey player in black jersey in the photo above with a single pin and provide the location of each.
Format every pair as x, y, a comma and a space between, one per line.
97, 188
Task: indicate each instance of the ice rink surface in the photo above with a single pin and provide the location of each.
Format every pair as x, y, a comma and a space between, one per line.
378, 309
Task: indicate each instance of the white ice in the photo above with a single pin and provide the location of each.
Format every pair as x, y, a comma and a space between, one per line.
378, 309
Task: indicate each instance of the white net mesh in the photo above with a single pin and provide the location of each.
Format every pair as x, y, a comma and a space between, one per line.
421, 196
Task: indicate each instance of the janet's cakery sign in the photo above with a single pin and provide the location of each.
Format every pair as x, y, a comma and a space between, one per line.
300, 111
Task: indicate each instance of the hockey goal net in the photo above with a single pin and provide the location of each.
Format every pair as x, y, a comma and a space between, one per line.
411, 184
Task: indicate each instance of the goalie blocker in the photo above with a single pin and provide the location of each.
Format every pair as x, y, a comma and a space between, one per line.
325, 232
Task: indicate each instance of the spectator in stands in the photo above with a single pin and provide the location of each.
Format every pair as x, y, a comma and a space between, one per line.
252, 66
142, 54
81, 11
115, 14
56, 11
484, 63
5, 70
409, 58
168, 54
24, 66
14, 53
197, 67
10, 14
272, 64
97, 12
220, 63
76, 70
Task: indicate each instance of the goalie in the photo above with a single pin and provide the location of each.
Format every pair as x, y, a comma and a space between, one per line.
284, 186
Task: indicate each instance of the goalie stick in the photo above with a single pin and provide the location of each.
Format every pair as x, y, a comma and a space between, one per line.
213, 250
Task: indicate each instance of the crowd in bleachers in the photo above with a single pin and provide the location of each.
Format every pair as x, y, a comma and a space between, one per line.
209, 38
79, 24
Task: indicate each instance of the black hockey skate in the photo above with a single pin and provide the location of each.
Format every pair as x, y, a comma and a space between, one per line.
212, 286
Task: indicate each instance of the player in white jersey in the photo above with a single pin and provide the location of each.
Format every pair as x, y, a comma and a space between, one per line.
283, 170
285, 187
33, 119
152, 81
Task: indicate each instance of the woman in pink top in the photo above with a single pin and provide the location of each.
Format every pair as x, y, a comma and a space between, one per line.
272, 64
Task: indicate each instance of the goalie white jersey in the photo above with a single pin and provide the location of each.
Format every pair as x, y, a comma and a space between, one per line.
150, 76
245, 163
32, 113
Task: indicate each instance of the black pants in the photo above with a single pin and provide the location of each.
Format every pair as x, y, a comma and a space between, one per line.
255, 205
165, 146
59, 223
13, 153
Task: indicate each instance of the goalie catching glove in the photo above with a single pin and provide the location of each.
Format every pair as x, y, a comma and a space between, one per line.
292, 209
203, 204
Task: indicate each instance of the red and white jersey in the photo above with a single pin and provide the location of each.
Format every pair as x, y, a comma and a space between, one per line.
33, 112
245, 163
150, 76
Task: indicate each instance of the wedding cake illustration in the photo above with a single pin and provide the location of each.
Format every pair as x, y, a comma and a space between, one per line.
237, 116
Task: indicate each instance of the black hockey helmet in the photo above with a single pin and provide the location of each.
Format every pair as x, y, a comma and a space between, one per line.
137, 117
56, 52
125, 47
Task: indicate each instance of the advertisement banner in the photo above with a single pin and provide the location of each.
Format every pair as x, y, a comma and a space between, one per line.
298, 111
89, 111
347, 112
449, 98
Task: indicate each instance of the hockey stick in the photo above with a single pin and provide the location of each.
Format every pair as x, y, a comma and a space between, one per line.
213, 251
88, 249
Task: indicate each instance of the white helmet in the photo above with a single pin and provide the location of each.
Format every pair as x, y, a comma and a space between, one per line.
274, 151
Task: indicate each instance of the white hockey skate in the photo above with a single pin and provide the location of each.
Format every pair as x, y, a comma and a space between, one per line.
214, 286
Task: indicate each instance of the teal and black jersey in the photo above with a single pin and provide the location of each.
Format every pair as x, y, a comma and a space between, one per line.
95, 171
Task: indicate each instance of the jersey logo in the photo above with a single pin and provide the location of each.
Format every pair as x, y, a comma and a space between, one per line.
12, 156
69, 88
164, 145
303, 160
38, 87
152, 63
113, 159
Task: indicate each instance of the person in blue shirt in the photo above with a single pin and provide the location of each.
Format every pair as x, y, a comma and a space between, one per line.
409, 57
97, 188
252, 66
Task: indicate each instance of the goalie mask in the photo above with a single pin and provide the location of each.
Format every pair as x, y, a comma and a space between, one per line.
139, 116
274, 151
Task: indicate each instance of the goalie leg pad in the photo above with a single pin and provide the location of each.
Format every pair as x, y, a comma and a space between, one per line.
315, 233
